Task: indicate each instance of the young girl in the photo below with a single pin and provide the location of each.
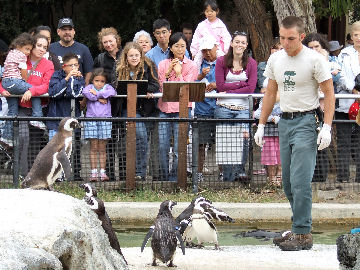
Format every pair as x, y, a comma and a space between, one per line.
270, 152
98, 105
15, 76
210, 26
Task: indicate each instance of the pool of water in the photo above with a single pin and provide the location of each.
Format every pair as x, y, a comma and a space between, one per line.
132, 235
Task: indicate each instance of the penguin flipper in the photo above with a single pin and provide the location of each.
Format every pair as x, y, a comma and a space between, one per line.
179, 237
65, 163
147, 237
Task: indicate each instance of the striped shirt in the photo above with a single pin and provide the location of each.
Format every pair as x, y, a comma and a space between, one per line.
15, 61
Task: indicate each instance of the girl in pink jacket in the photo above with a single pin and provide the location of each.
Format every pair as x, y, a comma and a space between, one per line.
213, 26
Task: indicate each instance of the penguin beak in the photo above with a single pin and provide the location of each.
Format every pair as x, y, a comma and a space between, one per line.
82, 186
231, 220
172, 204
78, 125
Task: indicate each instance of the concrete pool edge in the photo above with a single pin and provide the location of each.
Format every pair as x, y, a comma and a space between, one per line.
329, 213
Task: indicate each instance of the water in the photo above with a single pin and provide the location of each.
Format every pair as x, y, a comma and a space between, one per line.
132, 235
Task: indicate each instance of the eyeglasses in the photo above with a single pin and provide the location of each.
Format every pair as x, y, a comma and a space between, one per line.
239, 33
71, 65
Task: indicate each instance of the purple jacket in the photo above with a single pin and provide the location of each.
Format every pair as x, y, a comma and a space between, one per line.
246, 87
96, 108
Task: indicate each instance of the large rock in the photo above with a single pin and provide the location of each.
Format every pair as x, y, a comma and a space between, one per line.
348, 251
49, 230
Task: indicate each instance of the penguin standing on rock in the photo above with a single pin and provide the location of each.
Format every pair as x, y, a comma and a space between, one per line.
199, 224
97, 205
164, 233
53, 158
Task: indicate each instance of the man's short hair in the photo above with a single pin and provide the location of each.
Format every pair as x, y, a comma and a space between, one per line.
67, 57
293, 21
160, 23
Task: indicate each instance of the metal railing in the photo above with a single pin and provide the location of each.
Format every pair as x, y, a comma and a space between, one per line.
252, 172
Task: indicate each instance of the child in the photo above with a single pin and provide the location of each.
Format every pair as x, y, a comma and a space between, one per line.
98, 93
270, 152
15, 75
65, 85
210, 26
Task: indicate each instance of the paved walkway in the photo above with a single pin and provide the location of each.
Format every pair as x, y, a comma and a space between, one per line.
273, 212
245, 257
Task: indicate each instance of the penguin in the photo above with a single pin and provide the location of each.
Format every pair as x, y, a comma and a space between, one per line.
199, 225
164, 234
97, 205
183, 219
53, 158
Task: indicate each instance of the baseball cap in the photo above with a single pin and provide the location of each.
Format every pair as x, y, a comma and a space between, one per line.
207, 43
65, 22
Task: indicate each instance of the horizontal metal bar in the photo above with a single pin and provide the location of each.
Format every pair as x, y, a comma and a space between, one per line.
221, 95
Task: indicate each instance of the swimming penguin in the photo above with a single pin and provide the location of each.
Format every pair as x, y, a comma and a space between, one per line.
53, 158
164, 233
97, 205
200, 225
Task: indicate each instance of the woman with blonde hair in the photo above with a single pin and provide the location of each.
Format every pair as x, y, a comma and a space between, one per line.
109, 41
134, 65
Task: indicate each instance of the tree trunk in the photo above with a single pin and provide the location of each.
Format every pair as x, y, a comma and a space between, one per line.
299, 8
257, 22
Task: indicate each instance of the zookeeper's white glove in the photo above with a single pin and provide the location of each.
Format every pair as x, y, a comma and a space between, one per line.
324, 137
259, 135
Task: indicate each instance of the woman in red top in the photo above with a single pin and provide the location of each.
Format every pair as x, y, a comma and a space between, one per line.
40, 71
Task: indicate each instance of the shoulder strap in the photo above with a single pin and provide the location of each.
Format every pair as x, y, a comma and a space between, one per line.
102, 59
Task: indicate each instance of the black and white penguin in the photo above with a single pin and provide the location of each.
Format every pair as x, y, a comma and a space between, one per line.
53, 158
97, 205
164, 234
200, 226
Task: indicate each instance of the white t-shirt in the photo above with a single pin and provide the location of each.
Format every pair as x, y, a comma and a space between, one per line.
232, 77
298, 78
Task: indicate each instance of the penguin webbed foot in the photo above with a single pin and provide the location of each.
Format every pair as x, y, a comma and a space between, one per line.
171, 264
193, 245
154, 263
217, 247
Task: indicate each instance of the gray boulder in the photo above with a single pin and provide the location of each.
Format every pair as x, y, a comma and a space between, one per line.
348, 251
49, 230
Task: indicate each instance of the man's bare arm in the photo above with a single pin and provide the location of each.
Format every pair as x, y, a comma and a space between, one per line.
327, 88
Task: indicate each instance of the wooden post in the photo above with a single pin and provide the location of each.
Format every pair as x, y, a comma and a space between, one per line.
131, 137
183, 136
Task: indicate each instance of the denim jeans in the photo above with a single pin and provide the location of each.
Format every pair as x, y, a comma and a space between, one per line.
18, 87
141, 144
168, 130
233, 171
52, 133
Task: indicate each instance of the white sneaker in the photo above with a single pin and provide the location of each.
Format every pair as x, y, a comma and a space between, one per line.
200, 177
38, 124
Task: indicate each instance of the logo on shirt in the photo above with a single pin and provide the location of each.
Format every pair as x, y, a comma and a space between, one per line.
289, 83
